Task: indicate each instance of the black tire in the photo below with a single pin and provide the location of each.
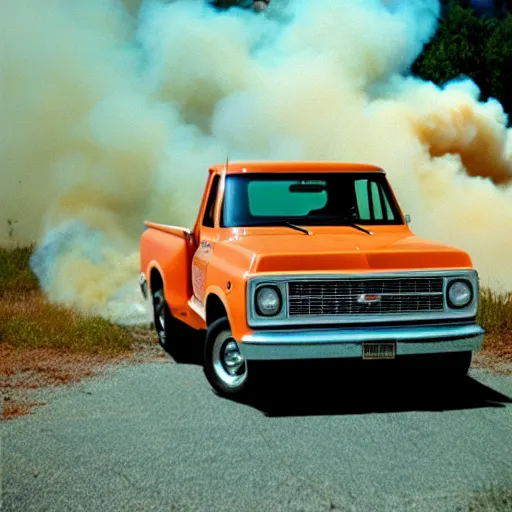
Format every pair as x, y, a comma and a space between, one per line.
171, 332
449, 368
219, 353
455, 366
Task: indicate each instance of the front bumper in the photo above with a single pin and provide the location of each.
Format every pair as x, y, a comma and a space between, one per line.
348, 342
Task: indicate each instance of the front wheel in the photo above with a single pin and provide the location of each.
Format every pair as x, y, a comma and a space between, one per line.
224, 366
450, 368
455, 366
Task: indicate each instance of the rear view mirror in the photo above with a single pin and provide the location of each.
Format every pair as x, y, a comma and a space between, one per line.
306, 188
408, 219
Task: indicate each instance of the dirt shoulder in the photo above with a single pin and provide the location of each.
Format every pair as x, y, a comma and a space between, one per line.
22, 371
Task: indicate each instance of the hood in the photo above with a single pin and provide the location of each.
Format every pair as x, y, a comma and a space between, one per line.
387, 249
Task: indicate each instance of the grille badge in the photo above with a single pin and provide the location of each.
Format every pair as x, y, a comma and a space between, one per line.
366, 298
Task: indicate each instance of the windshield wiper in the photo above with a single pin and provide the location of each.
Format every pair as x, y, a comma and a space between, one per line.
342, 222
356, 226
307, 232
298, 228
284, 223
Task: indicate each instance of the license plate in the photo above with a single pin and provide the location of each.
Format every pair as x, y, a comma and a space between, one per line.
379, 350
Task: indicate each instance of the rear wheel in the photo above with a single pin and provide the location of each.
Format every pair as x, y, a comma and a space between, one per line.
224, 366
171, 332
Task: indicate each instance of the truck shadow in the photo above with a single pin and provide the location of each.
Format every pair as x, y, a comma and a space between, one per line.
191, 351
309, 392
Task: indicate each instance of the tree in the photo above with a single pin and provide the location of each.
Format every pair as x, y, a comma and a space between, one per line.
468, 45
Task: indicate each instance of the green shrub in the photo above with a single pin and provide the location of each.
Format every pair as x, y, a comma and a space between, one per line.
466, 45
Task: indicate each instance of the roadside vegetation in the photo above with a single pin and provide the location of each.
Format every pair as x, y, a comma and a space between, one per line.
15, 273
27, 320
495, 311
495, 316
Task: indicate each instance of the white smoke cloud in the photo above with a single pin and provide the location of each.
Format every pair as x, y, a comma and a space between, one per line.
112, 113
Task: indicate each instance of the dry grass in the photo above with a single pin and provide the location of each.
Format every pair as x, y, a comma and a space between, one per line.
27, 320
495, 311
495, 316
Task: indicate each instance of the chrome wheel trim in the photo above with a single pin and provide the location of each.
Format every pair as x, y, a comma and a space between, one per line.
228, 363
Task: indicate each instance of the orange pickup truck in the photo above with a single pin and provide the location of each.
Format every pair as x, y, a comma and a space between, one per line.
307, 260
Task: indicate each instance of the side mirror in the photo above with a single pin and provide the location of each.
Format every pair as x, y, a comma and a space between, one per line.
408, 219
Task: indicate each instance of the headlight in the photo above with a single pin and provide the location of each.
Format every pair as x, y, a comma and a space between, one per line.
268, 301
460, 294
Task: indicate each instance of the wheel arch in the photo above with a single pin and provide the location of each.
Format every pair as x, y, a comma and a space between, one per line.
156, 278
215, 308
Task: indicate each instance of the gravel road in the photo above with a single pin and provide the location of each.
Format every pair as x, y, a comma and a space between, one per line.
156, 437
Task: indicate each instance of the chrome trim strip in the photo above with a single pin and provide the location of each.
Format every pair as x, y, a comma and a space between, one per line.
284, 319
324, 343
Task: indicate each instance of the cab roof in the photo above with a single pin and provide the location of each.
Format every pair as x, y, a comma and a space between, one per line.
239, 167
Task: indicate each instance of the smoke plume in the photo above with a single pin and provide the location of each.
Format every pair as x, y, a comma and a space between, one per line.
112, 112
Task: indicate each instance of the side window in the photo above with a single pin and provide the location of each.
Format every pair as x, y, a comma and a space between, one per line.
363, 203
386, 207
209, 219
376, 200
372, 201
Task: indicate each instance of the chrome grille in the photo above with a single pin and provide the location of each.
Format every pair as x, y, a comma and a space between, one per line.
347, 297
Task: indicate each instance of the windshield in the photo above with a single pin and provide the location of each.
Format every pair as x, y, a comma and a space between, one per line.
314, 199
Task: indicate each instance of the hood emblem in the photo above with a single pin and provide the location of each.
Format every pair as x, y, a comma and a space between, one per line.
367, 298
